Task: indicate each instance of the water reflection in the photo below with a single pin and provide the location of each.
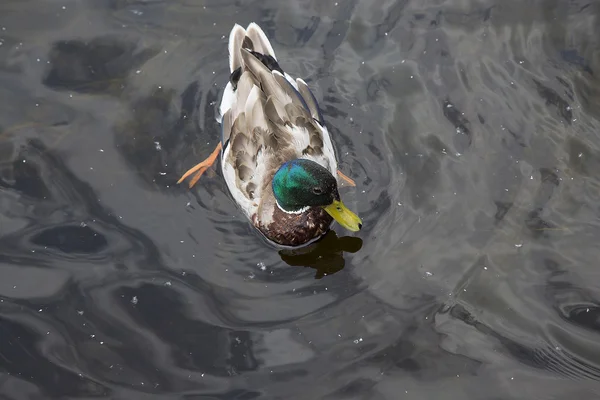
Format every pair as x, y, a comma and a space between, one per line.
96, 66
326, 256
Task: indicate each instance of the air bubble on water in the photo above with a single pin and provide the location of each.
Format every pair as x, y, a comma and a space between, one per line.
357, 341
134, 300
519, 245
168, 283
137, 12
80, 312
427, 273
580, 155
261, 265
251, 275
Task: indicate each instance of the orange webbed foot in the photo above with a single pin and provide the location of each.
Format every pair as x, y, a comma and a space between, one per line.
200, 168
346, 179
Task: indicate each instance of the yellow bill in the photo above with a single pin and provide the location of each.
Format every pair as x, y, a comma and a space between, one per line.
343, 216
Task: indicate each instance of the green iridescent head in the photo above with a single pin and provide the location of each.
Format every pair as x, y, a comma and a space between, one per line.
301, 183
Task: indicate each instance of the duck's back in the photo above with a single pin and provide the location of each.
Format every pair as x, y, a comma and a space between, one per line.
268, 118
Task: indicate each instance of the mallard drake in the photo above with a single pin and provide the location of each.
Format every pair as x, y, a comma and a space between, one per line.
277, 156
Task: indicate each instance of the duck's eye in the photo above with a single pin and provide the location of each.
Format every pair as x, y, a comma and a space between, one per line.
317, 190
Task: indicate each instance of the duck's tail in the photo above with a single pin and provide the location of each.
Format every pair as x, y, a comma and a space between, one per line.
252, 38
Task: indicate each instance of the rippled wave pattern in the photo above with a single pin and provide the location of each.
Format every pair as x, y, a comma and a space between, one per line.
472, 129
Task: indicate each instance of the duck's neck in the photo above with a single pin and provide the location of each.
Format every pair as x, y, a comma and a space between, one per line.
291, 209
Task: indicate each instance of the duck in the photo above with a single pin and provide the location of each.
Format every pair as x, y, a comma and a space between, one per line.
277, 155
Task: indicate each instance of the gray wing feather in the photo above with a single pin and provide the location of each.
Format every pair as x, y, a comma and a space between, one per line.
310, 100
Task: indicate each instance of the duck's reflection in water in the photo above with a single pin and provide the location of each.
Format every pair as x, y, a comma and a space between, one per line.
326, 255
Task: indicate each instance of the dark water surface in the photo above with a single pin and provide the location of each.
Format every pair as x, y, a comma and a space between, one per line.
472, 129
